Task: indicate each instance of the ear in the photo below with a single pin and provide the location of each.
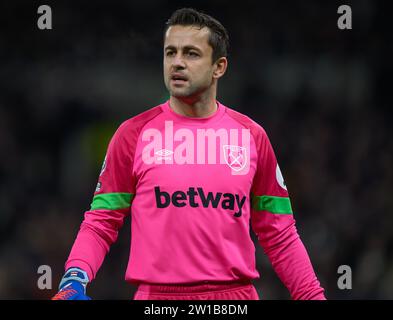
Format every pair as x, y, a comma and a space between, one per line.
220, 66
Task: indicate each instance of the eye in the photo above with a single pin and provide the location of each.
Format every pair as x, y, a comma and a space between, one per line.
169, 53
193, 54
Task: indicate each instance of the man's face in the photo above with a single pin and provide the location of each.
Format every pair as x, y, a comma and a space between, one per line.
188, 67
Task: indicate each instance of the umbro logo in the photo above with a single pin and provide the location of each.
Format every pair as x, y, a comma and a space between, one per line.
163, 154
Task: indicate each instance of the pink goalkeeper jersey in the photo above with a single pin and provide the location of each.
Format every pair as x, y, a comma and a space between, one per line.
193, 187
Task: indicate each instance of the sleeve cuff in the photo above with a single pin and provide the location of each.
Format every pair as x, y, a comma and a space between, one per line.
82, 265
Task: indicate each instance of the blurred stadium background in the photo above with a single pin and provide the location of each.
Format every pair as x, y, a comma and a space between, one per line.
323, 95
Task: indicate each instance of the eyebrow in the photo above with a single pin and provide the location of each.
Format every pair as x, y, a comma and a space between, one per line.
185, 48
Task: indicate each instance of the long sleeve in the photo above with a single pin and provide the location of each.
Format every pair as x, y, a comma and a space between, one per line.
111, 204
273, 222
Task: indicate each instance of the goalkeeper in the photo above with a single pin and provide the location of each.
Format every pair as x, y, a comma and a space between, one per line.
194, 175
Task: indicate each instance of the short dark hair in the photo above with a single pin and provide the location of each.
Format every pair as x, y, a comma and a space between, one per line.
218, 39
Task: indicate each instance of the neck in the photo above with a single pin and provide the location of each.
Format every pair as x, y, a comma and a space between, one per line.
200, 107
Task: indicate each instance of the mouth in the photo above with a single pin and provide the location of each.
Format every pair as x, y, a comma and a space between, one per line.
178, 79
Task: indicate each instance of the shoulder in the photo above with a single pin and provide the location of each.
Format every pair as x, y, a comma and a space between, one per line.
142, 118
133, 126
256, 129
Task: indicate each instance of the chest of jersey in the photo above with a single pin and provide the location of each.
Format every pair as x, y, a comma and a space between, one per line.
195, 167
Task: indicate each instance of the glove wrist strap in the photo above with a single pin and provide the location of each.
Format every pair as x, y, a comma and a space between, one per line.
75, 274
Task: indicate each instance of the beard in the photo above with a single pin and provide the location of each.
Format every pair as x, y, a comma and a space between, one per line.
182, 92
188, 90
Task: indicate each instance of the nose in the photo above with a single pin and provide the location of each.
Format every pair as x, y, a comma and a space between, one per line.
178, 62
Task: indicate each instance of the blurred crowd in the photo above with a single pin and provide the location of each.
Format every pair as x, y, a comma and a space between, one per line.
322, 94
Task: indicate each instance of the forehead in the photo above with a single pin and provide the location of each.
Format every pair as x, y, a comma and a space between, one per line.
181, 36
